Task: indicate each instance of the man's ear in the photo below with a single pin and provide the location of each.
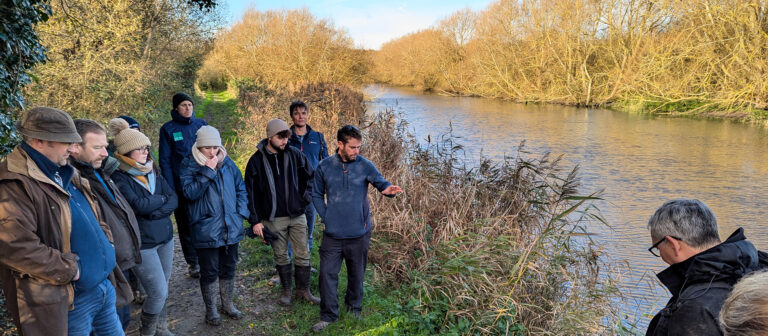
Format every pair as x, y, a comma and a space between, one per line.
675, 244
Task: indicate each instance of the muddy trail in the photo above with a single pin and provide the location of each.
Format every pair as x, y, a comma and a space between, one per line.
186, 311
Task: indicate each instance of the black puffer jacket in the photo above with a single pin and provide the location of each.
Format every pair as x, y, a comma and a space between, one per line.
261, 186
117, 213
152, 211
700, 284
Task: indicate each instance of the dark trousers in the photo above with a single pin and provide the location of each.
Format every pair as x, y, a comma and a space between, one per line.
182, 224
354, 252
217, 263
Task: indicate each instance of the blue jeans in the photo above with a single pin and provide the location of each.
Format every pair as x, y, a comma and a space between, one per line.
154, 273
310, 214
94, 312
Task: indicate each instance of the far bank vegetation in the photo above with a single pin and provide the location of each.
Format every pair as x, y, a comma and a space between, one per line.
700, 56
283, 47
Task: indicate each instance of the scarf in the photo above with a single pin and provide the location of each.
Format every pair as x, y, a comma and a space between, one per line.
142, 173
201, 159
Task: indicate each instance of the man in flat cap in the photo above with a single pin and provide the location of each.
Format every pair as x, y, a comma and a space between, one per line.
56, 256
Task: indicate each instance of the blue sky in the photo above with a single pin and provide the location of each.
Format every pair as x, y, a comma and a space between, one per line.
369, 23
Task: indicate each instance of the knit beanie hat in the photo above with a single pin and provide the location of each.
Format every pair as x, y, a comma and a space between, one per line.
275, 126
126, 138
208, 136
132, 123
180, 98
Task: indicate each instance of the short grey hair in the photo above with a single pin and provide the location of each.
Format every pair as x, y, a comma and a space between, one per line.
745, 311
688, 219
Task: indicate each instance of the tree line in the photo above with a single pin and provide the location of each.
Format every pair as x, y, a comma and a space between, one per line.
696, 56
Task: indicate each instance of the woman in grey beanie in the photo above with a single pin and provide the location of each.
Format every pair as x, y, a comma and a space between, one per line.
153, 201
218, 203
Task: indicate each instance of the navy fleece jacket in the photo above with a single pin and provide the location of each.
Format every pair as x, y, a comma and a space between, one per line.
340, 195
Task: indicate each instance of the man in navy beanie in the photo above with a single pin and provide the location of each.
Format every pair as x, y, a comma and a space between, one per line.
176, 139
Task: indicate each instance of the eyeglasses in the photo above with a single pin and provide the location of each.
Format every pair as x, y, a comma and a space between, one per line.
655, 248
143, 149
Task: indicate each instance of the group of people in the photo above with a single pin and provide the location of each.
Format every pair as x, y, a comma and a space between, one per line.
76, 223
85, 223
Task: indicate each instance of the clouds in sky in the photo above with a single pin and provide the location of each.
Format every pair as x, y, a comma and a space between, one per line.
369, 23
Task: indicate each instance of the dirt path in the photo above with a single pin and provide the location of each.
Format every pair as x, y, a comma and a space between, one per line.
186, 312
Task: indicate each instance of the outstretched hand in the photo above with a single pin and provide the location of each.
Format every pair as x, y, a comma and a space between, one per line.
392, 190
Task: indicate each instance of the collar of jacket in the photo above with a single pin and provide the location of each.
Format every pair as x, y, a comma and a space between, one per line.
86, 169
295, 136
27, 161
725, 262
181, 119
262, 147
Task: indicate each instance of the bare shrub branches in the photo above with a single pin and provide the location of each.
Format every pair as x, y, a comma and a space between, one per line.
708, 54
282, 47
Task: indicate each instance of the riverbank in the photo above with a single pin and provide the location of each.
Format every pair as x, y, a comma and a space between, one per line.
677, 109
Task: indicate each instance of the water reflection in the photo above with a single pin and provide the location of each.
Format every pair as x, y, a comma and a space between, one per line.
640, 161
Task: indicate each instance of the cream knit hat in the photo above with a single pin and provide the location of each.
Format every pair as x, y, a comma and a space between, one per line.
208, 136
126, 138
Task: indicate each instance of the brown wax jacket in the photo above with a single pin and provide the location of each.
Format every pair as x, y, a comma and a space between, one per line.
36, 263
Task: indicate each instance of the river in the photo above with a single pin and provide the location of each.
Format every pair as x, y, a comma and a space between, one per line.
639, 160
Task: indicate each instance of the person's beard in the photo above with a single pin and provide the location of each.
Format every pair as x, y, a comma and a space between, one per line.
276, 147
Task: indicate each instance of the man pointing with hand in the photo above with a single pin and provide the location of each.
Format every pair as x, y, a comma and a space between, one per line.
340, 195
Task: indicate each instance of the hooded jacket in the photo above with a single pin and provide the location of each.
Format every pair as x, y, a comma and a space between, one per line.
218, 202
700, 284
312, 145
152, 210
116, 212
176, 139
340, 195
261, 185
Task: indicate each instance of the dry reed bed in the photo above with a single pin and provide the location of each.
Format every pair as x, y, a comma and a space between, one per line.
489, 249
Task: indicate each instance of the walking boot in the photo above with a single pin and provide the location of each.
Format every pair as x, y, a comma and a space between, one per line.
302, 285
193, 271
285, 280
162, 323
227, 291
210, 297
148, 324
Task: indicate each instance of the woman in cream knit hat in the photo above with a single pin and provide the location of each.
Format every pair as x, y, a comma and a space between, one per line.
153, 201
218, 203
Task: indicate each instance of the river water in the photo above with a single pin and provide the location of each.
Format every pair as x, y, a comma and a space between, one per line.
640, 161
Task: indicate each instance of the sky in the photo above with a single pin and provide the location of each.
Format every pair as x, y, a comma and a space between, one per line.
369, 23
